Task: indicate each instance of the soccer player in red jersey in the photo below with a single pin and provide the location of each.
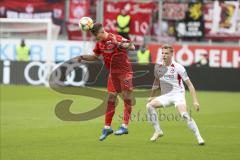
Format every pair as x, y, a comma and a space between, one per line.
113, 48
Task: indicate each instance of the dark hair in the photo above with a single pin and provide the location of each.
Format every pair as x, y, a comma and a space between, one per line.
96, 28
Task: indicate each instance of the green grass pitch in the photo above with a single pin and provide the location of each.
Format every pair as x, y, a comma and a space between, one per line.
31, 131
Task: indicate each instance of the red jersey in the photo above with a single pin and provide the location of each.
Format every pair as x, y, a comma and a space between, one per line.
115, 59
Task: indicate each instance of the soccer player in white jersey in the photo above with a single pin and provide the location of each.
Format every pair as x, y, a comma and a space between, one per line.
169, 76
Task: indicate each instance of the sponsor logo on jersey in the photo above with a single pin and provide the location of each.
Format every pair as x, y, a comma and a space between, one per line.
168, 77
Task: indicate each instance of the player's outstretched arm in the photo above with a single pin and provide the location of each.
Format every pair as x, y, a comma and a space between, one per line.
193, 94
126, 45
87, 58
155, 86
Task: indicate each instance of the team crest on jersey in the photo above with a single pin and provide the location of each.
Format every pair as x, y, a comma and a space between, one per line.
126, 82
172, 70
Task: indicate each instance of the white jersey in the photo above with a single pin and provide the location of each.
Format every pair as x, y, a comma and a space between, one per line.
171, 77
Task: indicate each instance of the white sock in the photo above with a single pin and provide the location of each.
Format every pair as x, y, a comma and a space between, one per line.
124, 125
107, 127
191, 124
153, 117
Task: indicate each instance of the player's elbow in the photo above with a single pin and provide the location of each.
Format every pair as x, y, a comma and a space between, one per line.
191, 87
132, 48
189, 84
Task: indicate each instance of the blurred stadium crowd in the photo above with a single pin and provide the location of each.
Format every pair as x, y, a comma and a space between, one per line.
148, 20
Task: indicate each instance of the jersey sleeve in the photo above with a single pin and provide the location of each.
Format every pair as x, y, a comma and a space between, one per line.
182, 72
96, 50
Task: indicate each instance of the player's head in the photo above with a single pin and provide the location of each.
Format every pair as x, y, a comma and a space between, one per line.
22, 42
167, 53
98, 31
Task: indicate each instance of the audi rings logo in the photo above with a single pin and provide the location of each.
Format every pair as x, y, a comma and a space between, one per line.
43, 71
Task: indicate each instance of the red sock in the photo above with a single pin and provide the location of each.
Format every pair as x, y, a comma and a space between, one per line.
109, 113
127, 110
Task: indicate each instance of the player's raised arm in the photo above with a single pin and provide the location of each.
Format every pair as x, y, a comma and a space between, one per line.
193, 94
126, 45
123, 43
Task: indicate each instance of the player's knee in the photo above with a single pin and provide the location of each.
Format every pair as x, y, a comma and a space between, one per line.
185, 116
127, 102
154, 104
112, 97
149, 105
127, 94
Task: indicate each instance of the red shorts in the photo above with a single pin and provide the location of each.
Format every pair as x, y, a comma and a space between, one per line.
120, 82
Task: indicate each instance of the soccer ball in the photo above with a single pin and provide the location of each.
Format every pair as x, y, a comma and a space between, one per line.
86, 23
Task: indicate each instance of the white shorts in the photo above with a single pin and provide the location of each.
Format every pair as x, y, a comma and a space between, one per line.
172, 98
